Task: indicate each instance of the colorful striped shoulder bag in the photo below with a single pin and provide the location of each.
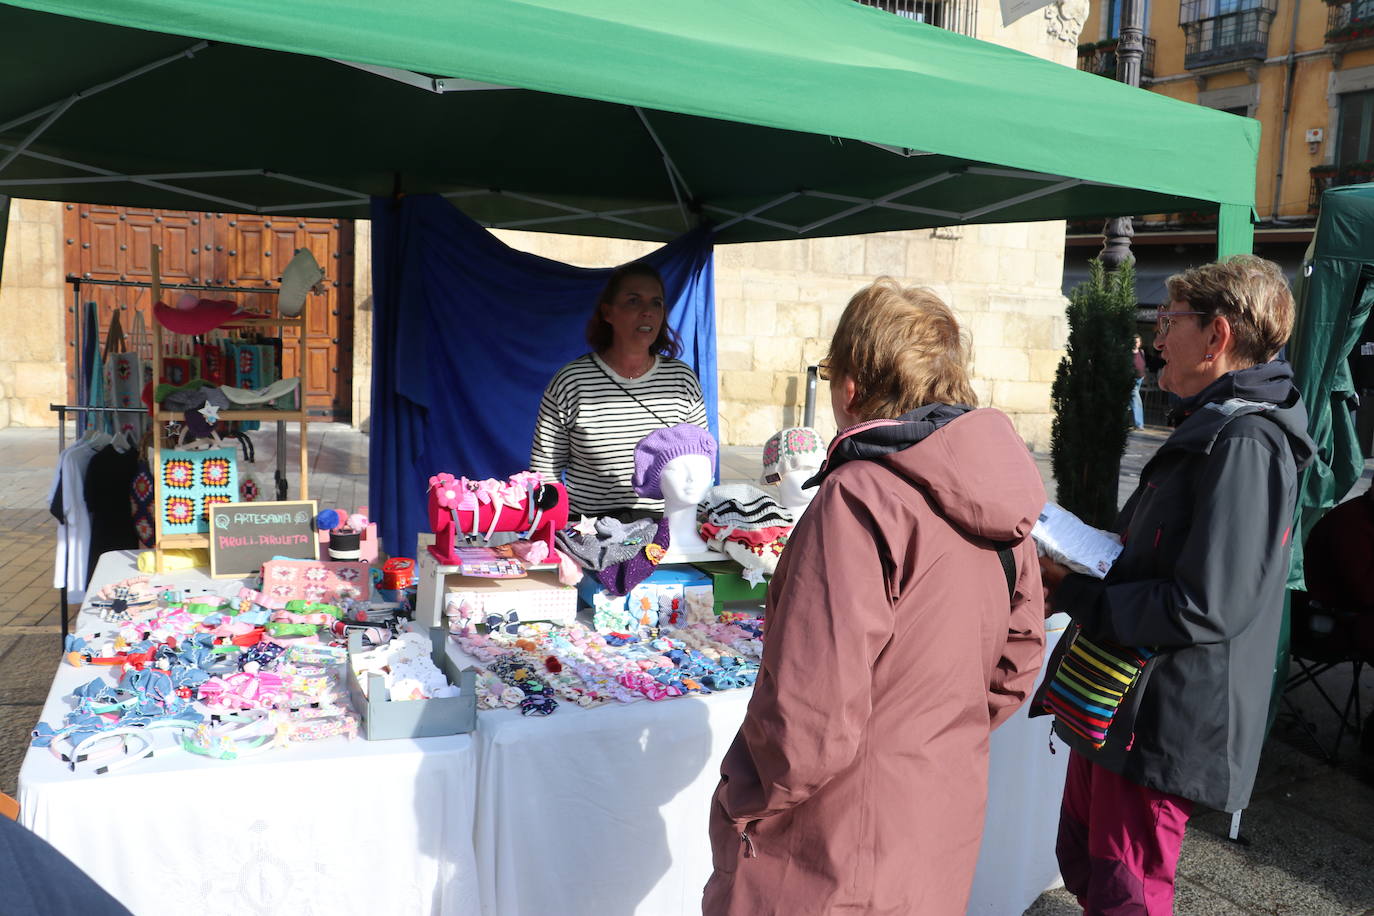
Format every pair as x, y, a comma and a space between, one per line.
1094, 679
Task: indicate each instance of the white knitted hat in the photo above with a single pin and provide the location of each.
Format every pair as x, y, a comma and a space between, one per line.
797, 448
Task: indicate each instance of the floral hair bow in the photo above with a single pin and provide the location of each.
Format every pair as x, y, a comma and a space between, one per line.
453, 493
264, 653
508, 623
526, 480
488, 490
724, 680
195, 656
148, 684
95, 689
537, 705
77, 726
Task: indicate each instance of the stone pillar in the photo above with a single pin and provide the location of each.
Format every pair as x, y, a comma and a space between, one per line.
362, 325
33, 347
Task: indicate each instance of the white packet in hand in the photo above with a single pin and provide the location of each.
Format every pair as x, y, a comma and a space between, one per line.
1067, 539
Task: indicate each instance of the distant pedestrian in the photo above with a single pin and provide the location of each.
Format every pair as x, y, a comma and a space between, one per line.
1138, 363
1194, 602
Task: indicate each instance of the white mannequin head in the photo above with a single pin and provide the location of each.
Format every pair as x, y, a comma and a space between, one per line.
790, 458
685, 480
791, 495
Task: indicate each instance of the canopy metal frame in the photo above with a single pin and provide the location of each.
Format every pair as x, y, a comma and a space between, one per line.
847, 205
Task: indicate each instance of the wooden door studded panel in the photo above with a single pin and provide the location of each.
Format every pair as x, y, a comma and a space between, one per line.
221, 249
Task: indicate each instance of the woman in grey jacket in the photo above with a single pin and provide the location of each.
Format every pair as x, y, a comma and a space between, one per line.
1199, 583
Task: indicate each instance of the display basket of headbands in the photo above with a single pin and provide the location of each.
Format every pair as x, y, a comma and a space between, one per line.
469, 512
386, 710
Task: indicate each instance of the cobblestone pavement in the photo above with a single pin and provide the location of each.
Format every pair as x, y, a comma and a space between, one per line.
1307, 839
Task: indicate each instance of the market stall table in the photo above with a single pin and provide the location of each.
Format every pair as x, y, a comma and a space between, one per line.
333, 826
603, 811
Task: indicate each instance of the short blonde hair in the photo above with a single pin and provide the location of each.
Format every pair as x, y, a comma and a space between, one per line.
903, 348
1251, 293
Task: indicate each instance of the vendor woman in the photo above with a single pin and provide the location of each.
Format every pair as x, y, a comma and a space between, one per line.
597, 407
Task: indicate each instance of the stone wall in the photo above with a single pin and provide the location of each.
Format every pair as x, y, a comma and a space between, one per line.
33, 345
777, 304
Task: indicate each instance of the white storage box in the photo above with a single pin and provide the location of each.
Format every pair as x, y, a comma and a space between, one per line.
537, 597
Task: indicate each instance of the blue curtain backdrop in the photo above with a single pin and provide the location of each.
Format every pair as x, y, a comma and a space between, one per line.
467, 333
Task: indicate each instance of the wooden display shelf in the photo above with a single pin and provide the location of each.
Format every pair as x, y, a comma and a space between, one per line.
181, 541
290, 416
262, 322
173, 541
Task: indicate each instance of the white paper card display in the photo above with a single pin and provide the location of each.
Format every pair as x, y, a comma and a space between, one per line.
1065, 538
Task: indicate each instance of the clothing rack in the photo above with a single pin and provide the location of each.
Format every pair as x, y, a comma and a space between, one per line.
159, 287
78, 323
62, 410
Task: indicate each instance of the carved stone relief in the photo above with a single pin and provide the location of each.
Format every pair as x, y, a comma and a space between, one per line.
1065, 18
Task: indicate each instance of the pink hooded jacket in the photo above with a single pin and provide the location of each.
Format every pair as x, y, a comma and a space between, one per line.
858, 781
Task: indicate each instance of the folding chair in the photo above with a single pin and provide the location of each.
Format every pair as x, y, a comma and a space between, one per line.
1324, 639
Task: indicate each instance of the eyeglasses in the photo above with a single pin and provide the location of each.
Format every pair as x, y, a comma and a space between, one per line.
823, 369
1165, 320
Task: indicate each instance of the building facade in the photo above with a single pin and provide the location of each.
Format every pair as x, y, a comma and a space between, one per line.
1304, 70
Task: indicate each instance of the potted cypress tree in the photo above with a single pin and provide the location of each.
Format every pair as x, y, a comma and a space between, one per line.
1092, 392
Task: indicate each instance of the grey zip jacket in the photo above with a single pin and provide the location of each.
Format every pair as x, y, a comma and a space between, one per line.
1208, 535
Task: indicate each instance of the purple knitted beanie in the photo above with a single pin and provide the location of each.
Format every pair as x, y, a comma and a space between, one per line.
617, 580
663, 445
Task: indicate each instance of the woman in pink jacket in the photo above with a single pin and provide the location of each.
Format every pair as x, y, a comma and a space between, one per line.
905, 622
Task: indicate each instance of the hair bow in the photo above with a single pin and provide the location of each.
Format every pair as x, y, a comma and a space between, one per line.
508, 623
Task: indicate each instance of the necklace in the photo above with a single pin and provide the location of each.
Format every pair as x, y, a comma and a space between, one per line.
632, 373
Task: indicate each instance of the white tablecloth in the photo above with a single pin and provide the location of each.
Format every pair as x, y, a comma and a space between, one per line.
327, 827
1025, 783
602, 812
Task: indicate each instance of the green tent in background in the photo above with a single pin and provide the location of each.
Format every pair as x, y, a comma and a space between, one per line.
767, 119
1334, 295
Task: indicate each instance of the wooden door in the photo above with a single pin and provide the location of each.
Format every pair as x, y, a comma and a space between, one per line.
261, 249
219, 249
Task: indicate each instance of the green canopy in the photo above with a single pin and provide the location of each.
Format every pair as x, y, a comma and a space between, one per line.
769, 119
1334, 295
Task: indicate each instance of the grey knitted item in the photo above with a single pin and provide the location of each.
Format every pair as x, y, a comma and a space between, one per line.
614, 542
194, 399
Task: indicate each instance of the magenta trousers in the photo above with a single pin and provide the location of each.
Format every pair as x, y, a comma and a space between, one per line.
1118, 842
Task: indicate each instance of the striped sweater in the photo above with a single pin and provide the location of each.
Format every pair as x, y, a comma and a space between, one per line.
590, 422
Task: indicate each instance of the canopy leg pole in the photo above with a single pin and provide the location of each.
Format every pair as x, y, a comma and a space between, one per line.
1235, 230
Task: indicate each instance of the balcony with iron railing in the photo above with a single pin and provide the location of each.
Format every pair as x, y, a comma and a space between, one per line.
1222, 31
1349, 21
1100, 58
954, 15
1330, 176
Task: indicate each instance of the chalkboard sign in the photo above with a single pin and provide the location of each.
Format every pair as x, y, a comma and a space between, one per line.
243, 536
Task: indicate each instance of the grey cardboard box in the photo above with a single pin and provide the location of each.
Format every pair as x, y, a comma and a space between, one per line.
384, 718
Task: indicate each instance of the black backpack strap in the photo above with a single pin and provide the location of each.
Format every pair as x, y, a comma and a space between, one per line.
1009, 568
